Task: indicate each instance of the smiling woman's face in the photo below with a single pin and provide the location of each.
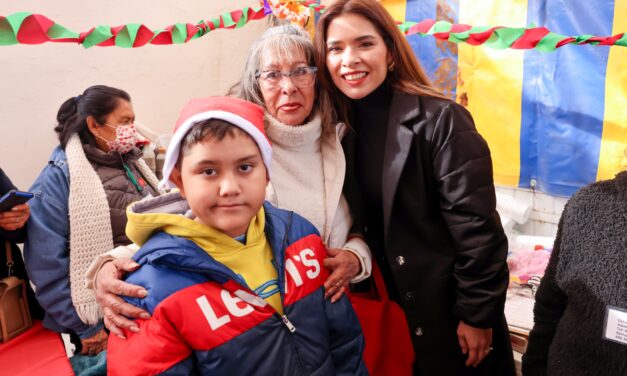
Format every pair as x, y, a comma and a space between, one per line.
357, 58
288, 103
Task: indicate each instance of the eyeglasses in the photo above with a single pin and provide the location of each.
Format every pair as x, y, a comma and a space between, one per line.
301, 77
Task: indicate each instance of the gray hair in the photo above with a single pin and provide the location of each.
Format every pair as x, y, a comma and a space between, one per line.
280, 43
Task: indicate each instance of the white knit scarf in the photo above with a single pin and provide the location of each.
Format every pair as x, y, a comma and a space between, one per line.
90, 225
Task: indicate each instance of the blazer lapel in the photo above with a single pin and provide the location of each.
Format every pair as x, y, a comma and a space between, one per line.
398, 141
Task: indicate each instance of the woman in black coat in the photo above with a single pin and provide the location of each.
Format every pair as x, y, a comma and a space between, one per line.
419, 183
13, 230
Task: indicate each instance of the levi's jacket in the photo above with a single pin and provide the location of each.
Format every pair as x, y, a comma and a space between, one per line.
206, 321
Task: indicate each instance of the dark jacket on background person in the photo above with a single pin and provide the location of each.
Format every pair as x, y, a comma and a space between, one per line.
18, 269
120, 191
587, 273
443, 248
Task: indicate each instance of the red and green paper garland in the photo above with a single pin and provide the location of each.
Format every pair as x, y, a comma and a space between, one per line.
28, 28
499, 37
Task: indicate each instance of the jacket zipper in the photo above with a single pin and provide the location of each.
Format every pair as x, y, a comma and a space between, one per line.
286, 321
288, 324
281, 273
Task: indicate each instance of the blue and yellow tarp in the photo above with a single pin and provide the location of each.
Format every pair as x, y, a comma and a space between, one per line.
555, 121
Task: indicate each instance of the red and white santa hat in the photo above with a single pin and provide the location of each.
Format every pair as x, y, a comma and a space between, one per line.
243, 114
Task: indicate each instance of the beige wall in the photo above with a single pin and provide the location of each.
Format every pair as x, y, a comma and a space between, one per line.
35, 80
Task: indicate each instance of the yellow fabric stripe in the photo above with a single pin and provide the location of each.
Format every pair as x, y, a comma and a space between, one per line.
613, 154
396, 8
490, 82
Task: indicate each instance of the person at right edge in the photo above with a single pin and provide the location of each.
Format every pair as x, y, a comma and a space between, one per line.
582, 299
419, 184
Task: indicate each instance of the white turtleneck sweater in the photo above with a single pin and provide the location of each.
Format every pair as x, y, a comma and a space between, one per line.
297, 169
307, 177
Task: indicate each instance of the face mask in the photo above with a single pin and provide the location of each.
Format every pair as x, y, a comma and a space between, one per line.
126, 138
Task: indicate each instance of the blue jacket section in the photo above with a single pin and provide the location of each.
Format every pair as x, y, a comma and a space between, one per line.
46, 250
327, 340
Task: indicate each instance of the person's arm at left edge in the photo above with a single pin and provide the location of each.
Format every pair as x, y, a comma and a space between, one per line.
463, 171
12, 221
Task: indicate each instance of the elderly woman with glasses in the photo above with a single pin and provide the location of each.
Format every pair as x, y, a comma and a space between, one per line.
308, 167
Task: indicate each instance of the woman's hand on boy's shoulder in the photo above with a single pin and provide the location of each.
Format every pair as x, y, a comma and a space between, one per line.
344, 267
109, 289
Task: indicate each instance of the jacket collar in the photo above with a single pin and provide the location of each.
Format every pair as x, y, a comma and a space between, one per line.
404, 108
110, 159
58, 158
183, 254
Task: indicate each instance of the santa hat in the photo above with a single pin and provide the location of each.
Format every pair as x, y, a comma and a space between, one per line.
245, 115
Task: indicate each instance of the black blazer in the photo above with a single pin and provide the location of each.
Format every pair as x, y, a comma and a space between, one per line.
443, 238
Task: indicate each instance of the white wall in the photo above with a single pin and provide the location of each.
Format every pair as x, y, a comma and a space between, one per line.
35, 80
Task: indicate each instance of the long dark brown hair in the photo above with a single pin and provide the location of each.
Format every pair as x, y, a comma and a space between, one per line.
407, 76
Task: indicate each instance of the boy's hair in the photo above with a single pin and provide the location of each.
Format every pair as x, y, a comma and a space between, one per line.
208, 129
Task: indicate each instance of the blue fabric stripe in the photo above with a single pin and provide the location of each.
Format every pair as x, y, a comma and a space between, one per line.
563, 98
440, 62
424, 47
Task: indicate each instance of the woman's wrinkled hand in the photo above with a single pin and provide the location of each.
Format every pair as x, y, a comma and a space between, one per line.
109, 287
344, 267
95, 344
15, 218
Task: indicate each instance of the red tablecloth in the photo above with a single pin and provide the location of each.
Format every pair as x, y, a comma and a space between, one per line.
38, 351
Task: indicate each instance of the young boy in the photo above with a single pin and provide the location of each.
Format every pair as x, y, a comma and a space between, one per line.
235, 286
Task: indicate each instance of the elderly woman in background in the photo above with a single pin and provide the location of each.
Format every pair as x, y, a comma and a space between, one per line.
79, 208
308, 166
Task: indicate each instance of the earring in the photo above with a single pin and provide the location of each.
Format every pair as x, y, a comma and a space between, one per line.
391, 66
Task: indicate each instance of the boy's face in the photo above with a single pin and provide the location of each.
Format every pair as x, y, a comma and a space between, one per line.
224, 182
